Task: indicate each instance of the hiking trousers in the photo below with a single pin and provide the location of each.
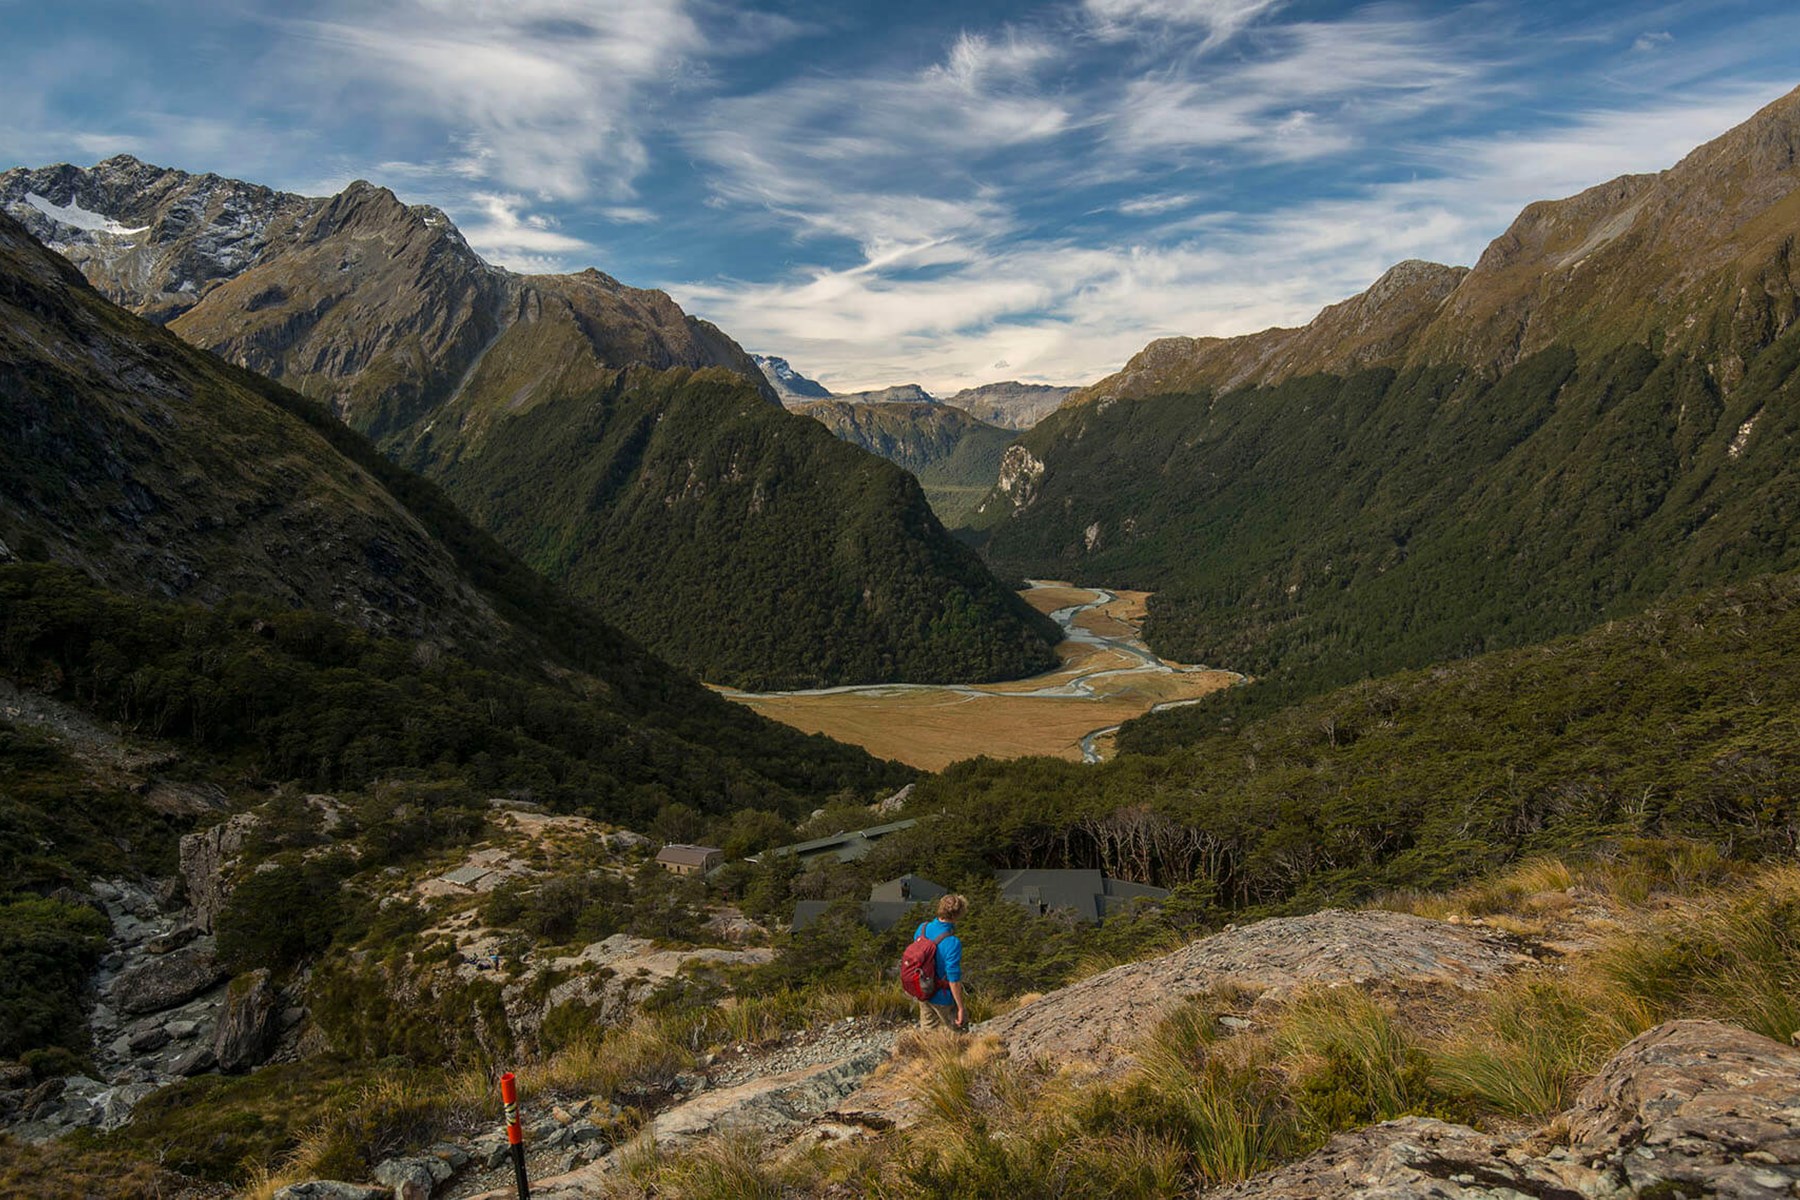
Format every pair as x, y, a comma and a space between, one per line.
937, 1016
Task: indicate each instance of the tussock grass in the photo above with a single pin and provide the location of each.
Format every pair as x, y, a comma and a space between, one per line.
728, 1167
1348, 1061
1734, 955
1631, 873
1536, 1039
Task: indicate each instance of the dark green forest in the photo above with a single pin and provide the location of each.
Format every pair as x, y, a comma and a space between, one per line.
1339, 527
275, 694
741, 542
1681, 722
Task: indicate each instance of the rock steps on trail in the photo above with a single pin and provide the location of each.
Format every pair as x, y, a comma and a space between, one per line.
1097, 1019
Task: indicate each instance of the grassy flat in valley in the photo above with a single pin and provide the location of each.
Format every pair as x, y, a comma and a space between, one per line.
932, 727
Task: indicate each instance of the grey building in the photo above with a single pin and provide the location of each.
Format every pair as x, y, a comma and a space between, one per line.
888, 904
847, 846
681, 859
1090, 895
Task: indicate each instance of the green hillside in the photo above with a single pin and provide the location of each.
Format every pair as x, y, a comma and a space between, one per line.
383, 314
1337, 526
1678, 722
954, 456
742, 542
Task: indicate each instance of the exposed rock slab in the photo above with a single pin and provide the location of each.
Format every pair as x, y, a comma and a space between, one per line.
1094, 1020
1692, 1108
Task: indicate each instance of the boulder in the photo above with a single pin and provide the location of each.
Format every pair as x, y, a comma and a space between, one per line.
412, 1178
154, 1038
167, 981
247, 1025
1095, 1020
196, 1060
331, 1189
175, 939
1695, 1108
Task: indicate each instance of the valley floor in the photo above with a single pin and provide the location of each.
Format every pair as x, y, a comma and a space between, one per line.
1107, 676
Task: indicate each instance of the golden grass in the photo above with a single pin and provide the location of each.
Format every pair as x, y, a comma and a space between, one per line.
1048, 599
932, 729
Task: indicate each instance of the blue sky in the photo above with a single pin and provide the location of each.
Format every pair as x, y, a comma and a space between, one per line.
932, 192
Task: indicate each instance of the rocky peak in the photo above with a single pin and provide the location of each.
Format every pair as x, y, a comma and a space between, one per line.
788, 383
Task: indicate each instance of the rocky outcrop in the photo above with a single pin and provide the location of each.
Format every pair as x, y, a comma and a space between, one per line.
1010, 405
1021, 472
1094, 1020
790, 385
150, 238
248, 1023
1691, 1108
1697, 1107
332, 1189
206, 858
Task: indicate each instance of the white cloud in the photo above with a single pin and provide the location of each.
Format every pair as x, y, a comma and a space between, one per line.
505, 234
547, 95
886, 160
1314, 89
1651, 41
1220, 18
1065, 313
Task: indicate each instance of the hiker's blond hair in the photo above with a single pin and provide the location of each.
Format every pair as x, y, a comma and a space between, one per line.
952, 906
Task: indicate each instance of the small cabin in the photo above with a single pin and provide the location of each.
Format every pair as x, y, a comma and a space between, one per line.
682, 859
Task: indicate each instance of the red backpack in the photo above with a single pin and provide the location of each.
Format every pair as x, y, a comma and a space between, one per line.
918, 966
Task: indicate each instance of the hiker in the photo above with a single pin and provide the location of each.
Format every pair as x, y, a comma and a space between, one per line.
935, 1012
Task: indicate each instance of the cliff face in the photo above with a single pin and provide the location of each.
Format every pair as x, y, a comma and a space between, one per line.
1010, 405
1697, 258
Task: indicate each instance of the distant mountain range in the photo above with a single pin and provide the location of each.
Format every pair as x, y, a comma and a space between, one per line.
725, 533
955, 457
1009, 405
953, 446
1600, 413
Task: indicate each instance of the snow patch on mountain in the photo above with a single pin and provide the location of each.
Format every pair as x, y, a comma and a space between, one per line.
75, 216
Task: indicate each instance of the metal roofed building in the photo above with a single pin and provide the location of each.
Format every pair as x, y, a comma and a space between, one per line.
888, 903
1090, 895
683, 859
848, 846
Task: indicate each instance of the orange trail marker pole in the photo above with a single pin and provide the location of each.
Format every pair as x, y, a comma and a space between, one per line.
515, 1136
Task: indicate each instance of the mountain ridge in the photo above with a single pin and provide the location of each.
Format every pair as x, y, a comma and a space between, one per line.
382, 312
1312, 505
1631, 259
